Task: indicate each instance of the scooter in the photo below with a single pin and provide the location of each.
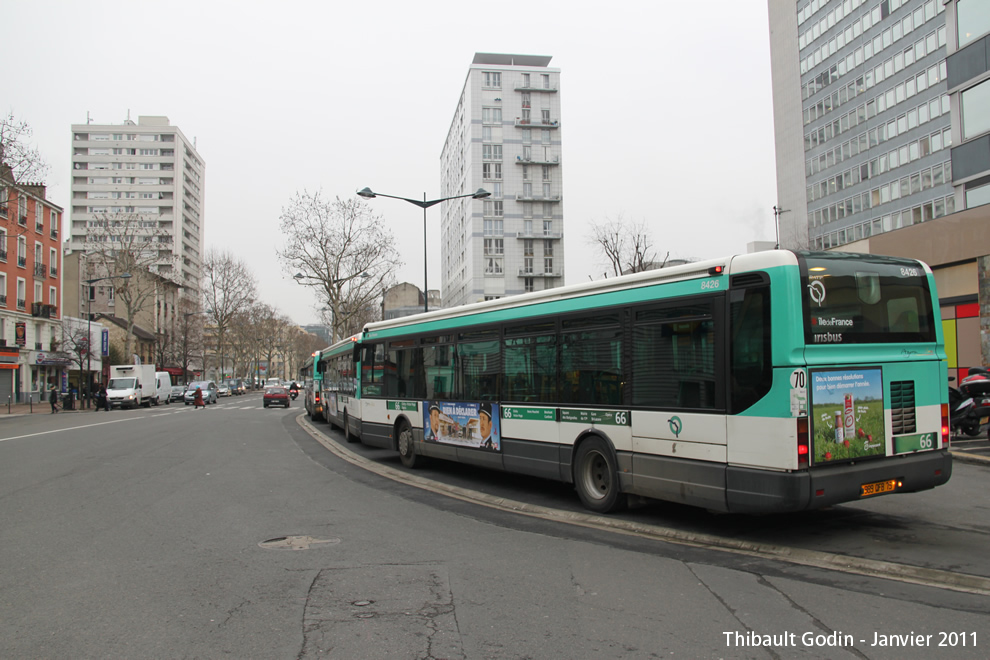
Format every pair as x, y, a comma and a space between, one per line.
293, 394
976, 387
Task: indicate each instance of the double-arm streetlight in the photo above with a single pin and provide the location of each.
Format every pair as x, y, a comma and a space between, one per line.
89, 330
481, 193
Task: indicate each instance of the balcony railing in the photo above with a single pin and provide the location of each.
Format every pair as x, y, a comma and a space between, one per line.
22, 261
53, 271
39, 271
3, 255
537, 273
22, 221
54, 233
39, 227
3, 299
542, 123
21, 304
41, 310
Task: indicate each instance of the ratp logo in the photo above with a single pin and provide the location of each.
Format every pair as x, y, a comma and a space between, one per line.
817, 292
675, 426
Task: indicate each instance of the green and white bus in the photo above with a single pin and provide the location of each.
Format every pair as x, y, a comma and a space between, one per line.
767, 382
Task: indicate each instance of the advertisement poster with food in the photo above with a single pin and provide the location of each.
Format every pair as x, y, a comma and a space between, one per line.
847, 420
462, 423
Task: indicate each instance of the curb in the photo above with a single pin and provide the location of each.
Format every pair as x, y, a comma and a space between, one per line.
972, 459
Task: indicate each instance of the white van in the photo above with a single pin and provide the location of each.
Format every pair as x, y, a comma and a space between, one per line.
163, 388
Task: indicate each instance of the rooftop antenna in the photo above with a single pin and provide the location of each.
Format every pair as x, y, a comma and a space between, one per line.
88, 120
777, 212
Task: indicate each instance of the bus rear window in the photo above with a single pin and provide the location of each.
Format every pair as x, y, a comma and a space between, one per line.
860, 299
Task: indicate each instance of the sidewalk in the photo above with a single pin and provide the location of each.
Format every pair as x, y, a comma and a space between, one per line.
18, 409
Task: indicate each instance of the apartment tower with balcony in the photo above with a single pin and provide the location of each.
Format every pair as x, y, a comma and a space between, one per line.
505, 137
146, 173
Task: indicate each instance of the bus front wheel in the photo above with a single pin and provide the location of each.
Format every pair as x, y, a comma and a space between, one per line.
596, 477
407, 450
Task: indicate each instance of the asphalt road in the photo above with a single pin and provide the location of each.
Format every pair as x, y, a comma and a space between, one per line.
235, 532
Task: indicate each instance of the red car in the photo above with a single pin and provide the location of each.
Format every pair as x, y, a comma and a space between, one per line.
276, 396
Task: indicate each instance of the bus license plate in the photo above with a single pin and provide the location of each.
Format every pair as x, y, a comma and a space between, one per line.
878, 487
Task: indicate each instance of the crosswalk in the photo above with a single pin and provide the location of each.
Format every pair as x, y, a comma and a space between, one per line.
219, 407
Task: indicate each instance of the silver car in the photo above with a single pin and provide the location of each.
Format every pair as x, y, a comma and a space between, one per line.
208, 387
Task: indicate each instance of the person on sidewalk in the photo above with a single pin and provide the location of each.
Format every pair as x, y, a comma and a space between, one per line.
198, 398
53, 399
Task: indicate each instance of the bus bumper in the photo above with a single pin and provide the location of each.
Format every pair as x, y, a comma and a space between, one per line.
759, 491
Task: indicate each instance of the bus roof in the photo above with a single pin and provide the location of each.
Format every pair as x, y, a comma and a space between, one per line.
699, 269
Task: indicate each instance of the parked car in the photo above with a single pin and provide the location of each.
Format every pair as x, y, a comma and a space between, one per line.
276, 396
209, 391
223, 389
177, 392
236, 386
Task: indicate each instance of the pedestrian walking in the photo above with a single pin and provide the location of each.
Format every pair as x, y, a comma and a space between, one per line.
198, 398
53, 399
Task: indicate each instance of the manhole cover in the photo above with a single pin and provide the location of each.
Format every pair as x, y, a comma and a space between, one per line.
295, 543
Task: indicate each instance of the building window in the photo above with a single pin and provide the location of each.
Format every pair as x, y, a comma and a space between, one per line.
493, 208
527, 209
547, 209
546, 173
52, 296
527, 135
546, 191
528, 265
545, 116
527, 153
494, 246
21, 293
528, 190
493, 266
525, 80
491, 170
486, 133
527, 247
525, 100
491, 116
972, 19
493, 79
548, 227
493, 226
3, 289
491, 152
22, 251
546, 80
525, 169
975, 109
497, 189
528, 284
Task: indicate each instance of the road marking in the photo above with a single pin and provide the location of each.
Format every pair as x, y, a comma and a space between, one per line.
928, 577
74, 428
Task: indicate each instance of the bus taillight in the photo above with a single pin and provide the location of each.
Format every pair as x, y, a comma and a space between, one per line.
802, 442
945, 424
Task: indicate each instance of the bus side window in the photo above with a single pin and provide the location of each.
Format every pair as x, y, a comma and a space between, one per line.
751, 370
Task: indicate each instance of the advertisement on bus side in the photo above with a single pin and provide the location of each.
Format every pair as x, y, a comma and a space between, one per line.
847, 419
462, 423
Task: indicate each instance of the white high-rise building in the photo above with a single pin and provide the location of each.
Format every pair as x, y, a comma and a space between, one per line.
146, 170
505, 137
861, 114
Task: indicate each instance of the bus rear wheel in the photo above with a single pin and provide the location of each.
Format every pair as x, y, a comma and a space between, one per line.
350, 437
404, 442
596, 477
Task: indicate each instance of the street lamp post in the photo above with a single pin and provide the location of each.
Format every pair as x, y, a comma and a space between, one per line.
480, 193
89, 331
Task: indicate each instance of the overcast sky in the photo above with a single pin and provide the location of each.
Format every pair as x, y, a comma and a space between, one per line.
666, 109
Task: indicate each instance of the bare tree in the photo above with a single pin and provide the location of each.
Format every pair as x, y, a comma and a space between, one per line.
343, 250
24, 161
627, 247
228, 289
121, 242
